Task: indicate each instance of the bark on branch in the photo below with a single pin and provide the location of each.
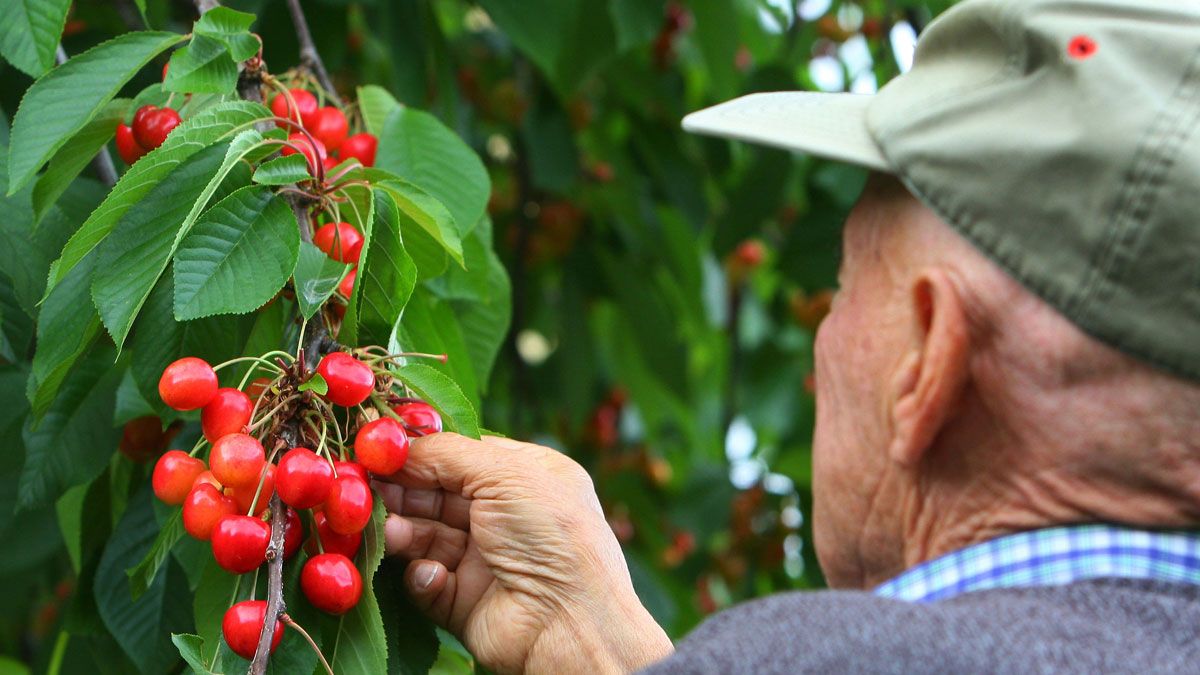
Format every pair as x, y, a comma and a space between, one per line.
309, 57
102, 162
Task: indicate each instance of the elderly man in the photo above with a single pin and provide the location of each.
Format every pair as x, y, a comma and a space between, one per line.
1007, 448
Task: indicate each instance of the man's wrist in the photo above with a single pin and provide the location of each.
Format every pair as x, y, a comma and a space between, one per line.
619, 638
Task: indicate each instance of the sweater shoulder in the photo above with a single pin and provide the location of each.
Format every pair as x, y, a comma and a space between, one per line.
1097, 626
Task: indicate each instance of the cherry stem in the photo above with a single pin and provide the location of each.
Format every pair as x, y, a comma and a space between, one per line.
384, 408
409, 355
199, 444
287, 620
258, 359
342, 172
329, 412
255, 426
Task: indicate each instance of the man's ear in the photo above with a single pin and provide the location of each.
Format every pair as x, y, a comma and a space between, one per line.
930, 381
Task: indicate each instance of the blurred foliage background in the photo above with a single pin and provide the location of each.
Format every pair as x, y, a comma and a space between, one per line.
666, 287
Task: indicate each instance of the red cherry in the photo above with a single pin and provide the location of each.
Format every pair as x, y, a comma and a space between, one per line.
207, 477
750, 253
143, 438
329, 126
257, 386
304, 478
331, 163
127, 145
142, 114
381, 446
348, 508
306, 146
350, 380
244, 493
332, 542
340, 241
237, 460
204, 506
305, 104
360, 146
293, 534
420, 419
331, 583
187, 384
151, 128
165, 66
228, 413
243, 624
174, 474
352, 468
239, 543
346, 287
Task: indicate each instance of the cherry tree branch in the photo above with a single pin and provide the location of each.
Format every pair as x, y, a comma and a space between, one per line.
102, 162
309, 57
276, 606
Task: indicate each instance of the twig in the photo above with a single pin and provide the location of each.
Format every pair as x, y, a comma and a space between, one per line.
203, 6
102, 162
287, 620
276, 607
309, 57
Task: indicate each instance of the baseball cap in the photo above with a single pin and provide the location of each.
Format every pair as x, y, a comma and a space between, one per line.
1058, 136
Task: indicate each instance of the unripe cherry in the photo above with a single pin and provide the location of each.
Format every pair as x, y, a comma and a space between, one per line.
203, 507
340, 241
242, 495
346, 285
332, 542
331, 583
303, 479
188, 383
237, 460
381, 446
242, 625
420, 419
361, 147
127, 145
174, 474
349, 380
305, 108
227, 413
239, 543
329, 126
348, 508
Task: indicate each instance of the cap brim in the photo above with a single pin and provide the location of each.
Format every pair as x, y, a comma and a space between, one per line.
833, 126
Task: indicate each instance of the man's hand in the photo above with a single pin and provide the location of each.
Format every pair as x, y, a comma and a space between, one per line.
511, 552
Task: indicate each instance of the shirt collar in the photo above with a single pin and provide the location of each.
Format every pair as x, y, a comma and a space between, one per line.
1052, 557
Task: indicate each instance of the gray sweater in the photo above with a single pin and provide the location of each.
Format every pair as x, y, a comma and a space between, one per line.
1096, 626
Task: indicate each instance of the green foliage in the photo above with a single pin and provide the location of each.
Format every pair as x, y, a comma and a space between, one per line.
30, 33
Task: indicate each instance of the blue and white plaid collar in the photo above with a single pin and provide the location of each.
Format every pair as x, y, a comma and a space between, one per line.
1052, 557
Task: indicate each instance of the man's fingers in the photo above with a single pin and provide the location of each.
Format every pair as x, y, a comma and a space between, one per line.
417, 538
451, 509
431, 587
458, 464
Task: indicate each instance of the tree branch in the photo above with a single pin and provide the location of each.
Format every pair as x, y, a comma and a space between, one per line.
102, 162
309, 57
276, 606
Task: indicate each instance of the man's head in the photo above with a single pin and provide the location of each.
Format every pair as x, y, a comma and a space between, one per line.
954, 405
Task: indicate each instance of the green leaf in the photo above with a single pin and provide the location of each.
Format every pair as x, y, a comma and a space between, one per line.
66, 327
75, 91
29, 33
137, 252
212, 597
76, 438
442, 393
204, 66
416, 146
316, 383
316, 278
238, 255
231, 27
412, 640
77, 154
142, 574
360, 644
195, 134
376, 104
143, 627
282, 171
427, 211
191, 648
386, 276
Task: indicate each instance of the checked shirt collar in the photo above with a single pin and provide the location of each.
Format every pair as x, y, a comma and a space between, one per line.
1053, 557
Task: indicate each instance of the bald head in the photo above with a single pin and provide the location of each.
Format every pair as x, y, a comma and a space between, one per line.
954, 405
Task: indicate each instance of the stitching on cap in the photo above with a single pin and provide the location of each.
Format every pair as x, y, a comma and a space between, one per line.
1155, 156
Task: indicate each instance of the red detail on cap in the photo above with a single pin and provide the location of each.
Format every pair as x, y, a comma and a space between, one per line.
1081, 47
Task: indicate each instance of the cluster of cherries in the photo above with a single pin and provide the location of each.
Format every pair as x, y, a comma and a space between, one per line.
323, 140
226, 500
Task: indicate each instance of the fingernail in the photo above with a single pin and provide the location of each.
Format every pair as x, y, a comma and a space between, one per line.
423, 576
